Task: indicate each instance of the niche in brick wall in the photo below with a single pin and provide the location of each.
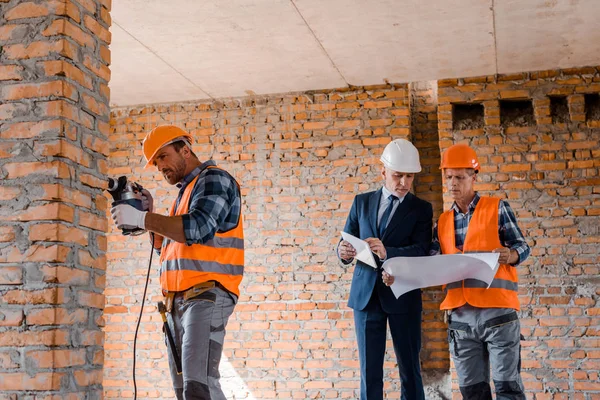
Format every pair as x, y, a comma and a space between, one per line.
467, 116
559, 109
592, 107
516, 113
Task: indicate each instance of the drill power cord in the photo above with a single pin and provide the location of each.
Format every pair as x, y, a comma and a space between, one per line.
137, 327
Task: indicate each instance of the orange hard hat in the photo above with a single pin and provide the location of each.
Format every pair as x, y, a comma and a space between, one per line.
159, 137
460, 156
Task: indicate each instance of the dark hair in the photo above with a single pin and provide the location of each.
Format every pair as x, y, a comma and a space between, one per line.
180, 144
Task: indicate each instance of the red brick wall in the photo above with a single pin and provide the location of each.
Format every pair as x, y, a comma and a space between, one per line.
53, 145
300, 160
549, 172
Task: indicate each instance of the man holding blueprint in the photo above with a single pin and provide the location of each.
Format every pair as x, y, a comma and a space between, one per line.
386, 223
483, 323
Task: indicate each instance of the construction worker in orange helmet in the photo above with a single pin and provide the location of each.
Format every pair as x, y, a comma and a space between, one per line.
394, 223
484, 326
201, 247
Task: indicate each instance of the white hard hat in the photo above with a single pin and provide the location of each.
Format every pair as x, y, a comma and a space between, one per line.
401, 156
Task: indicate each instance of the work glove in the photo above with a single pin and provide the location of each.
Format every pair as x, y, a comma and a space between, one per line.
147, 201
128, 217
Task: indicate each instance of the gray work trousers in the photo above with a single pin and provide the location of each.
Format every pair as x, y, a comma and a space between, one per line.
198, 326
480, 337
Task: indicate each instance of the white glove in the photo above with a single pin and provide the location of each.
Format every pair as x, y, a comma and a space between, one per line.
147, 201
128, 217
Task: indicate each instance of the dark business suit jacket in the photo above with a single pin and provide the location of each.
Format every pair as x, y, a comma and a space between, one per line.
407, 234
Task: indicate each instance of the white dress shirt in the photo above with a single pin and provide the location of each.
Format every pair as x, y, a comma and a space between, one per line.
383, 203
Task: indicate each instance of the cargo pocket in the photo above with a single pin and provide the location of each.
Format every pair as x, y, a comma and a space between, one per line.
501, 320
456, 330
503, 331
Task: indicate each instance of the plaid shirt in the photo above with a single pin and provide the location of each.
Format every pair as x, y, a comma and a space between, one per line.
509, 233
215, 203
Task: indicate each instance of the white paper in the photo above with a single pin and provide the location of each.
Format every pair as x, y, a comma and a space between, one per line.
363, 251
418, 272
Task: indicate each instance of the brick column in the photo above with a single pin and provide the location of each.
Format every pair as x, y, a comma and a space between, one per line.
53, 128
424, 130
428, 186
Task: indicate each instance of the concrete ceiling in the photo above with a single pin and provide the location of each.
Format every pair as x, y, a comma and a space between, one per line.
177, 50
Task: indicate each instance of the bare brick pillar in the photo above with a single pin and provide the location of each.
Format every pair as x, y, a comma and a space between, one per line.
54, 118
435, 358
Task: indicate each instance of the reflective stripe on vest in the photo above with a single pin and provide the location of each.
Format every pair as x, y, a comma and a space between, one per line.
482, 235
221, 259
476, 283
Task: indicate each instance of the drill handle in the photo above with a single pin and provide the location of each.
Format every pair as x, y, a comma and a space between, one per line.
162, 310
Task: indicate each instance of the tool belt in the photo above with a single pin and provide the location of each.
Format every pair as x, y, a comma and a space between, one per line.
190, 293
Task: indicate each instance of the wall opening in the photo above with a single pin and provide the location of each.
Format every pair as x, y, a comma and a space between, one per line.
592, 107
559, 109
516, 113
467, 116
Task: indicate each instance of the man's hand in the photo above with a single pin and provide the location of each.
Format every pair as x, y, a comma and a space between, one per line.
377, 247
128, 217
346, 251
147, 201
387, 278
507, 256
148, 204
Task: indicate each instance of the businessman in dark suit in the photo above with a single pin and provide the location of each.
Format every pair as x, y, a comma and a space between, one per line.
394, 223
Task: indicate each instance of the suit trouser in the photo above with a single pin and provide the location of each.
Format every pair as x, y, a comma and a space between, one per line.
198, 326
479, 337
371, 327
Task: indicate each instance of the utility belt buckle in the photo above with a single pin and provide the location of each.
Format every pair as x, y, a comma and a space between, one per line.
198, 289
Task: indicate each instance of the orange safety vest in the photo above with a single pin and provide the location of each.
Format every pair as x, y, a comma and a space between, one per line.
221, 259
482, 236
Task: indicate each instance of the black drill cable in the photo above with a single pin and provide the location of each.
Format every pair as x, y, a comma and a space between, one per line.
141, 312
